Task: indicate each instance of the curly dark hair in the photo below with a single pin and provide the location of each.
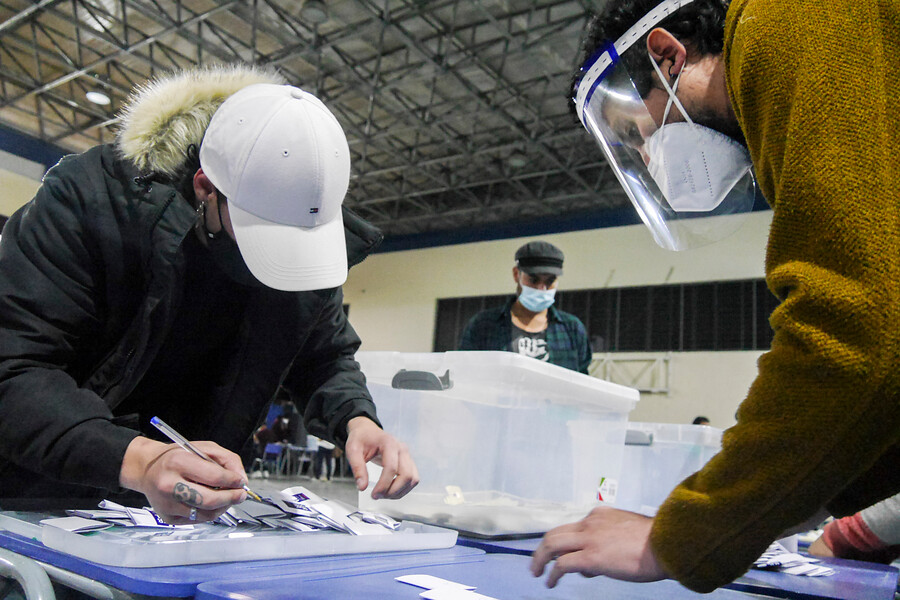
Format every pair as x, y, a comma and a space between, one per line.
700, 24
183, 179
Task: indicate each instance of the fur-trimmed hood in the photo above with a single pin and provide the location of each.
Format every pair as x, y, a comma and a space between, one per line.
164, 116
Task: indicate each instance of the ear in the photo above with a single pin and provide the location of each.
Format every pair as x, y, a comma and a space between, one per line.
203, 187
515, 274
663, 46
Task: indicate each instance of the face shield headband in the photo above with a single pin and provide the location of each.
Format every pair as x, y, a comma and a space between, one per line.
675, 174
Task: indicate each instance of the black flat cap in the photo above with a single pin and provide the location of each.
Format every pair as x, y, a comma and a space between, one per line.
536, 258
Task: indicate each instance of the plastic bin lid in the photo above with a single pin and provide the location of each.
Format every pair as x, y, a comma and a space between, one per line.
500, 372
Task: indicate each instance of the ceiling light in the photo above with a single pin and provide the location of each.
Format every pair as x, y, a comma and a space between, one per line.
97, 98
314, 11
517, 159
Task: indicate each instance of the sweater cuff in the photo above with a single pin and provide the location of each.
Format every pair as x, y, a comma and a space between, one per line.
844, 536
98, 461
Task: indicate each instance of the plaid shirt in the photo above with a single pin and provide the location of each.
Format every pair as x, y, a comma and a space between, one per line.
567, 338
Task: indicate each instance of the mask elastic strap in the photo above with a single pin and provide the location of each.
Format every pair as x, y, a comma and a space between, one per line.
671, 92
201, 220
219, 202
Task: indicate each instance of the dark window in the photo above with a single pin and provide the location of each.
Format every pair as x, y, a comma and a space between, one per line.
723, 315
699, 317
664, 310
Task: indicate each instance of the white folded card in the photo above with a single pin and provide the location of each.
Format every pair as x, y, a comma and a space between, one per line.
430, 582
453, 593
76, 524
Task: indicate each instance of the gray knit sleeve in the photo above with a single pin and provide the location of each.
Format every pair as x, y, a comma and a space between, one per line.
883, 519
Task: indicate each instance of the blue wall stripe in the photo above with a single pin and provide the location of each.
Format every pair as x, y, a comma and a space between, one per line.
618, 217
30, 148
542, 226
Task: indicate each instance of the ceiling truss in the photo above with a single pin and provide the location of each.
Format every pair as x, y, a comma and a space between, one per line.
455, 110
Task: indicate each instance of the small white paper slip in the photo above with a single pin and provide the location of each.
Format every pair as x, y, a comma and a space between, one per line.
809, 570
454, 495
430, 582
110, 505
144, 517
98, 514
76, 524
452, 593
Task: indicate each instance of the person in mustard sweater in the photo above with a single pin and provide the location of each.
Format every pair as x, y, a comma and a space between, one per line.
682, 96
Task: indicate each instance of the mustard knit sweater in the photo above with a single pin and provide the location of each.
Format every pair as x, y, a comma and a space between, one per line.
814, 84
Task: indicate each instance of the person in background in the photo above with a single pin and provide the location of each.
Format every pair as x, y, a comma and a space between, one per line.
529, 324
184, 272
872, 534
278, 432
323, 464
692, 103
700, 421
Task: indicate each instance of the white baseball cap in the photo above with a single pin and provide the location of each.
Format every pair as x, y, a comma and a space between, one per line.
282, 161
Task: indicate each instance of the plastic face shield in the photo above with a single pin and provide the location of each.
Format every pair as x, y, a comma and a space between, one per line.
676, 175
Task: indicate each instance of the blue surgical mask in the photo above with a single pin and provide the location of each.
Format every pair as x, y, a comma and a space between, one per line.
536, 300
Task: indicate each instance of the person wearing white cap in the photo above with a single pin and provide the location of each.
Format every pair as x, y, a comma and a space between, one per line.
185, 273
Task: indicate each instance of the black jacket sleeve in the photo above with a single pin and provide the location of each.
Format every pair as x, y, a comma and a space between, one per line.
50, 314
325, 380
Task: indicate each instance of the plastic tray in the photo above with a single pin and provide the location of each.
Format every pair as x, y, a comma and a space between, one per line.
208, 543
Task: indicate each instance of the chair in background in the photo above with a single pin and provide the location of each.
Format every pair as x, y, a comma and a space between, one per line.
272, 461
295, 458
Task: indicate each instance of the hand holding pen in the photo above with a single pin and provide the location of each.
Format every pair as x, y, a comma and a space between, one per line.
184, 443
179, 487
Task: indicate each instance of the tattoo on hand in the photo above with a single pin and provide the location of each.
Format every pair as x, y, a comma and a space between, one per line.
187, 495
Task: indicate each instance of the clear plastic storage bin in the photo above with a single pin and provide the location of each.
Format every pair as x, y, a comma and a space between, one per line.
659, 456
505, 445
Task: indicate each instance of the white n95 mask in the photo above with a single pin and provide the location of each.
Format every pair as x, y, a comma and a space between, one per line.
694, 166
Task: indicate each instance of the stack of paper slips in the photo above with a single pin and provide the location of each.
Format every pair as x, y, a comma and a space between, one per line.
109, 514
777, 557
299, 509
295, 508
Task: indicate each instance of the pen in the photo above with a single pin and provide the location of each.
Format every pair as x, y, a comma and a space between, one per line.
182, 441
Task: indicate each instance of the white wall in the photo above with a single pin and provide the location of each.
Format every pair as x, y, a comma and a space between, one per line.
19, 180
393, 299
711, 384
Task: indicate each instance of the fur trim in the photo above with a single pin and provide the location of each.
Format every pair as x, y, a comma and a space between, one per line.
164, 116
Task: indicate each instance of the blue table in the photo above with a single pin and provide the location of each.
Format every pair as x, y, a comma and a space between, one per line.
852, 579
181, 582
506, 577
502, 576
370, 576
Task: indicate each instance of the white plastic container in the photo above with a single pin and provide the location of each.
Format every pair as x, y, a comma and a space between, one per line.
505, 445
659, 456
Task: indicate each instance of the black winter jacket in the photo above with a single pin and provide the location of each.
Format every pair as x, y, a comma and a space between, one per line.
90, 282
